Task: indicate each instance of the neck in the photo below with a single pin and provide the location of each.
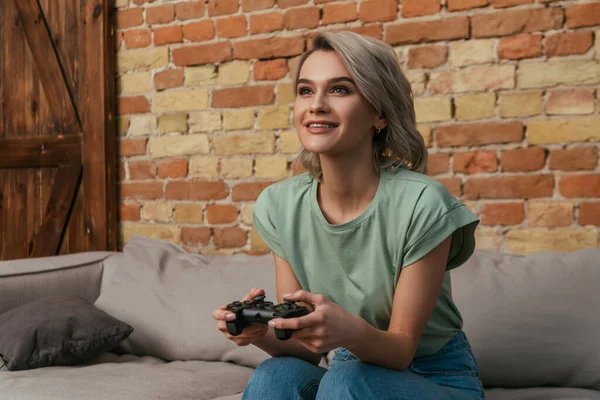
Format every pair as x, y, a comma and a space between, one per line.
347, 187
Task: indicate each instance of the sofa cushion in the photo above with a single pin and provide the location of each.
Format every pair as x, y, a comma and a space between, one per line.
126, 377
532, 320
169, 296
76, 275
542, 393
57, 330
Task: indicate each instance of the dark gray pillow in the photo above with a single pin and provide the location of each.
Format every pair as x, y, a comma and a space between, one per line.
57, 330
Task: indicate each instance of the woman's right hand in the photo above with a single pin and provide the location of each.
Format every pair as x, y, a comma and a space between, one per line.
251, 333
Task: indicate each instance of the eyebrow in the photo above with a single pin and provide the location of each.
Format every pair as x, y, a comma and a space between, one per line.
329, 81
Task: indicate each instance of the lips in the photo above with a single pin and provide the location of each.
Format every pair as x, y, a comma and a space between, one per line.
320, 126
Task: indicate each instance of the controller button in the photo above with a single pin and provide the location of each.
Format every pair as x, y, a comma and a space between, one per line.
258, 316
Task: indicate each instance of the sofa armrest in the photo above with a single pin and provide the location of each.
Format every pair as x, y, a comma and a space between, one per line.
29, 279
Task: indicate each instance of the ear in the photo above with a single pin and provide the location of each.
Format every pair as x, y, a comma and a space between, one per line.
382, 121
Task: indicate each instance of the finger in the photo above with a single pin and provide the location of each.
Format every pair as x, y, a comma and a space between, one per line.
307, 297
305, 333
253, 293
311, 319
223, 315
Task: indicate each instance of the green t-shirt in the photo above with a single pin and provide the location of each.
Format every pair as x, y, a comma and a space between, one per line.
357, 264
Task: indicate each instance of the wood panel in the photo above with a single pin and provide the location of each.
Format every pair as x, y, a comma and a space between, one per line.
57, 139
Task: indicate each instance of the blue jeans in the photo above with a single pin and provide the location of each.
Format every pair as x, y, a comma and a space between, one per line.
452, 373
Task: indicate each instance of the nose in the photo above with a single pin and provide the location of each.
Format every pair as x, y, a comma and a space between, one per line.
319, 104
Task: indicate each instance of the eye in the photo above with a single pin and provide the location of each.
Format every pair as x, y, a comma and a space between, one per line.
304, 91
340, 89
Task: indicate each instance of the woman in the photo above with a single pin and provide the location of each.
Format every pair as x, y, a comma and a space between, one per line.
365, 240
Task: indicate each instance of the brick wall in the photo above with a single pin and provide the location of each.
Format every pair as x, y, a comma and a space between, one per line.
507, 99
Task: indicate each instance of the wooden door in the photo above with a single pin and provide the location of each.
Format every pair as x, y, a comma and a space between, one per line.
57, 135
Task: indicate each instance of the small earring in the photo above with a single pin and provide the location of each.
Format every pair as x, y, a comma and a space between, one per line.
377, 129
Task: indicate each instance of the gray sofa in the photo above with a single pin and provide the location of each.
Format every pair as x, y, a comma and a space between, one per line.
532, 321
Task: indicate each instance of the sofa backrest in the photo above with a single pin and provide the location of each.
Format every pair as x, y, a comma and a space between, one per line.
25, 280
532, 320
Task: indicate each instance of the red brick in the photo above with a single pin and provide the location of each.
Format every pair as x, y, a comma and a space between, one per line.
268, 48
503, 214
509, 3
338, 13
245, 96
570, 101
415, 8
378, 10
479, 133
222, 7
589, 214
299, 18
580, 15
160, 15
199, 31
195, 235
232, 27
129, 212
270, 70
202, 54
261, 23
519, 160
127, 18
459, 5
173, 169
290, 3
253, 5
521, 46
428, 31
474, 162
169, 78
510, 187
133, 105
196, 190
580, 186
168, 34
142, 169
438, 163
454, 185
511, 22
189, 10
564, 44
221, 213
121, 175
576, 159
137, 38
427, 57
230, 237
248, 191
141, 190
371, 30
132, 147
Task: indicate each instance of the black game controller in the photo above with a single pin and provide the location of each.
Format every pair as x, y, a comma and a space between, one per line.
258, 311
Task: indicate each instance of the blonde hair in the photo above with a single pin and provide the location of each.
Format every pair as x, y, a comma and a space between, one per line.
374, 68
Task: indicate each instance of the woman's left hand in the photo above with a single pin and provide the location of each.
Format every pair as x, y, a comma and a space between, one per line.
328, 327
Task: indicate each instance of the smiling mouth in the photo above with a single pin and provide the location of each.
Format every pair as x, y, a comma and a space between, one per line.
326, 126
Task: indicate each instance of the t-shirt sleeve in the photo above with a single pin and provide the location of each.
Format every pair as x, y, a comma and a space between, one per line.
264, 217
436, 216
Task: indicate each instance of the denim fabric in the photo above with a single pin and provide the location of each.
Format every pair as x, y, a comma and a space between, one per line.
452, 373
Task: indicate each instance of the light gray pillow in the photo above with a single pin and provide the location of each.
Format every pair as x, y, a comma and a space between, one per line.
532, 320
168, 295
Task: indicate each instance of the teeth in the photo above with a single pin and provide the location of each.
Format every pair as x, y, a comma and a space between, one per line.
321, 126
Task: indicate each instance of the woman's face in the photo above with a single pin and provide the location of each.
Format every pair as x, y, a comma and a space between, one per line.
330, 115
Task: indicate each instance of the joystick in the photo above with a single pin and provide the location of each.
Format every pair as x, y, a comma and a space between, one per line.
259, 311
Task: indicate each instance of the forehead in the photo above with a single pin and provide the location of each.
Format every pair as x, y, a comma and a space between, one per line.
323, 65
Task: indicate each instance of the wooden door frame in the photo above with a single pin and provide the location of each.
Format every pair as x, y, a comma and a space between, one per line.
86, 149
